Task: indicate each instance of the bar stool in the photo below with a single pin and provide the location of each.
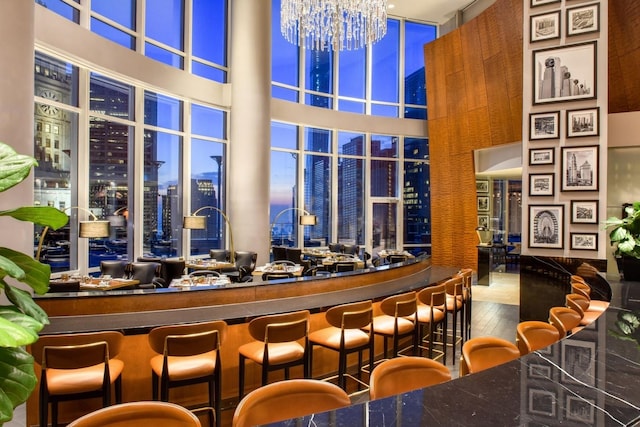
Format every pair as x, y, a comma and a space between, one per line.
585, 290
532, 335
403, 374
581, 305
346, 335
467, 276
398, 320
288, 399
134, 414
455, 308
77, 366
188, 354
565, 320
432, 312
276, 344
482, 353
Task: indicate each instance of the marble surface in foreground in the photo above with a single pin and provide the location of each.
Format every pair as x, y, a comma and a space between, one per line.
591, 378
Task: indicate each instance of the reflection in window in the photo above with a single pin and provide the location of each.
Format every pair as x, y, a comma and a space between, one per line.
283, 194
318, 191
109, 184
207, 189
162, 209
416, 194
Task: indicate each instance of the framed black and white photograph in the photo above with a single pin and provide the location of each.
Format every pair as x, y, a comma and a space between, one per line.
584, 212
583, 122
541, 156
584, 241
482, 186
580, 409
483, 203
546, 226
545, 26
580, 168
483, 221
583, 19
539, 370
541, 184
544, 125
566, 73
579, 362
542, 402
535, 3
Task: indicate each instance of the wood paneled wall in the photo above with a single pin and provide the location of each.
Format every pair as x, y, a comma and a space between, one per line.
624, 56
474, 97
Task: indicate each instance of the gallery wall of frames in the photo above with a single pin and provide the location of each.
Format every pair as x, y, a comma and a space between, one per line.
565, 128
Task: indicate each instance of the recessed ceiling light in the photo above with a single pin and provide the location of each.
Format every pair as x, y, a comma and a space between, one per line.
391, 6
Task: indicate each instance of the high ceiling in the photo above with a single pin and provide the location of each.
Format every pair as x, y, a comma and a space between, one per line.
436, 11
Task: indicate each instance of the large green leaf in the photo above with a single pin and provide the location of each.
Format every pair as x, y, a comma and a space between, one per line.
14, 335
17, 380
24, 302
41, 215
14, 167
12, 314
36, 274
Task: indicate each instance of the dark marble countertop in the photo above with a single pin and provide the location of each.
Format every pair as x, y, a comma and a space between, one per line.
591, 378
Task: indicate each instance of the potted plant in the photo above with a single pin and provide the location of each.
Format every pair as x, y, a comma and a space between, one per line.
625, 238
20, 317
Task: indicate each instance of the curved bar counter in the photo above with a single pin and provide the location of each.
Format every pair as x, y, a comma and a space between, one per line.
590, 378
136, 312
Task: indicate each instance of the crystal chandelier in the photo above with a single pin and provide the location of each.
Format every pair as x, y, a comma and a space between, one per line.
333, 24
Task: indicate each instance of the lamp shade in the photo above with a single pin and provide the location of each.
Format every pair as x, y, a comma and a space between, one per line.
93, 229
308, 220
194, 222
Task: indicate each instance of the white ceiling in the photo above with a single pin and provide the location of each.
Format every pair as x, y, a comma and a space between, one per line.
436, 11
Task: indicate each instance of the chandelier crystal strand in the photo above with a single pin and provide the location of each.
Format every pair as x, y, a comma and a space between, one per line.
333, 24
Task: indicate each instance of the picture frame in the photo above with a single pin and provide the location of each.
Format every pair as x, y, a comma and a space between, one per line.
545, 26
482, 185
579, 409
546, 226
578, 362
483, 221
584, 211
580, 168
583, 122
539, 370
535, 3
541, 156
584, 241
565, 73
542, 402
483, 204
544, 125
583, 19
541, 184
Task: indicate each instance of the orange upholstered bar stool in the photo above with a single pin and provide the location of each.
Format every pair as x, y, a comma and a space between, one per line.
467, 276
277, 344
188, 354
565, 320
581, 304
403, 374
432, 312
482, 353
534, 335
398, 320
135, 414
585, 290
77, 366
455, 308
288, 399
346, 335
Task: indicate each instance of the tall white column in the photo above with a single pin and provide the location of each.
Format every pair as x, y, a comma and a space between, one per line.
249, 148
16, 111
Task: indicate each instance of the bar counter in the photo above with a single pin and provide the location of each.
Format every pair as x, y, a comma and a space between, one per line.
589, 379
136, 312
